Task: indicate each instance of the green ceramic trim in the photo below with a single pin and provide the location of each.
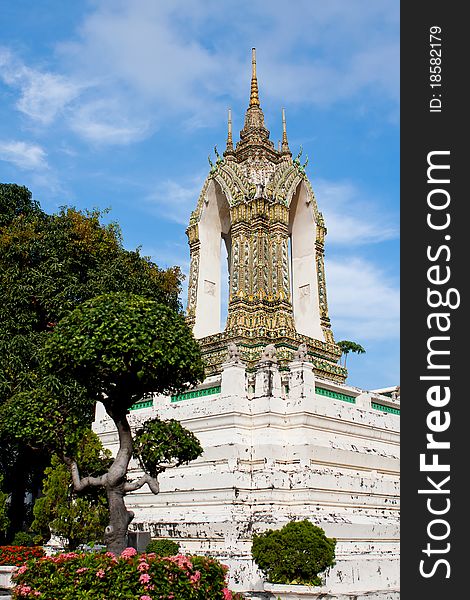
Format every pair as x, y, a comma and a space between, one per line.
196, 394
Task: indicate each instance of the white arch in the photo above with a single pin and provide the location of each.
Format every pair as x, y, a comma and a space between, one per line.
214, 224
303, 229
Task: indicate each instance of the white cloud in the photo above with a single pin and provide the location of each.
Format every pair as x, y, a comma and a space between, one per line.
104, 122
363, 303
24, 155
138, 46
175, 201
43, 95
350, 218
162, 56
150, 61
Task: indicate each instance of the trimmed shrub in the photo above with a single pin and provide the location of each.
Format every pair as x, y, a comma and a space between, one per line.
22, 538
297, 553
17, 555
163, 547
130, 576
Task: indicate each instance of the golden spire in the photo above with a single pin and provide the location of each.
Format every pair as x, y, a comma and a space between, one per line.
229, 147
285, 143
254, 132
254, 98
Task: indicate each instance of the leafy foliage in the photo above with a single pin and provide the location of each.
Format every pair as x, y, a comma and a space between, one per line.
163, 547
15, 200
23, 538
122, 346
296, 553
158, 443
119, 347
76, 518
347, 347
53, 415
95, 576
3, 508
48, 265
51, 263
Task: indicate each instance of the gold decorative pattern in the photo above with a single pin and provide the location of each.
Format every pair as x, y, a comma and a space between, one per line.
259, 183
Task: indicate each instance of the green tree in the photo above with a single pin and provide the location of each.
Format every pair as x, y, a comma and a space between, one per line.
49, 264
3, 508
76, 518
347, 347
121, 347
15, 200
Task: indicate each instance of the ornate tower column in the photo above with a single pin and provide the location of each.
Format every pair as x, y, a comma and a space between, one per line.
259, 201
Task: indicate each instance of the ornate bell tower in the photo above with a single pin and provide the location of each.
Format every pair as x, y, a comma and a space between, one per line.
259, 202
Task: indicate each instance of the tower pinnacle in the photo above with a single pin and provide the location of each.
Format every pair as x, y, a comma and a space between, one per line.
254, 96
285, 145
254, 133
229, 147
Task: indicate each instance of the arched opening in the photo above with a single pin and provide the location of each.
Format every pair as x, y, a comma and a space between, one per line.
214, 243
304, 281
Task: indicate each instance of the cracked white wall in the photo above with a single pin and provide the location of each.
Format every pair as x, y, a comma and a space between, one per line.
270, 459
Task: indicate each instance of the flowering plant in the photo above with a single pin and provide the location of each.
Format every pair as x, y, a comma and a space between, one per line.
130, 576
17, 555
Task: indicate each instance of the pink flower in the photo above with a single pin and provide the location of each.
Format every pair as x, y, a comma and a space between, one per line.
144, 578
81, 570
128, 553
145, 597
182, 561
195, 578
22, 569
100, 573
227, 594
143, 566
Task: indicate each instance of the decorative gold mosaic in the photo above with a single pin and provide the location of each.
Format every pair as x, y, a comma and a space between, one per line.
259, 183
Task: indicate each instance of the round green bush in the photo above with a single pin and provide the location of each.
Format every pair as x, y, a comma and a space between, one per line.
163, 547
297, 553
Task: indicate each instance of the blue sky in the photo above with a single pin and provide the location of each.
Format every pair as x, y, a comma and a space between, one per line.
117, 104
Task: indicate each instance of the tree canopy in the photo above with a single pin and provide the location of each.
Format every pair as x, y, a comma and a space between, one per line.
120, 347
348, 346
49, 264
15, 201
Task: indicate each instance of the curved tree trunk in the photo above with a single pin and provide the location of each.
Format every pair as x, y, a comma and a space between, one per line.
114, 481
115, 535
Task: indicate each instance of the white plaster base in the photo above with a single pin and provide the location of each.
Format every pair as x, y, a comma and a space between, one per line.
6, 572
270, 459
303, 592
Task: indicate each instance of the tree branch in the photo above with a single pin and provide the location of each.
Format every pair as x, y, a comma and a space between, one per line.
153, 484
164, 466
118, 469
81, 484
